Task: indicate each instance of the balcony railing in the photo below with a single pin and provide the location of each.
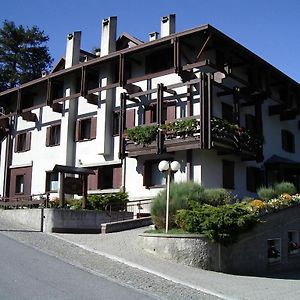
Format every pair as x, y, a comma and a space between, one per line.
236, 138
185, 134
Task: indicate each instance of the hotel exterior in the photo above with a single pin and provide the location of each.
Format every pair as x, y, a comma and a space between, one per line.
230, 118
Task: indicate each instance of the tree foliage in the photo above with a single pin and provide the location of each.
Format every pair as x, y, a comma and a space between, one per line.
23, 54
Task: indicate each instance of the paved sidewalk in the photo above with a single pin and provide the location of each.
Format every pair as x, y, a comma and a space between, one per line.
123, 247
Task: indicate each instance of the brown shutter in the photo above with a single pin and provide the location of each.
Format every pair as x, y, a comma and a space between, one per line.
28, 141
147, 115
93, 127
171, 111
117, 177
77, 130
48, 135
147, 174
93, 180
16, 143
130, 118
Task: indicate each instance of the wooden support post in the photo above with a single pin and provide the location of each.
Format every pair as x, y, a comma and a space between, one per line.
189, 95
122, 125
84, 190
121, 70
62, 190
236, 106
205, 110
19, 102
177, 62
83, 91
259, 127
159, 117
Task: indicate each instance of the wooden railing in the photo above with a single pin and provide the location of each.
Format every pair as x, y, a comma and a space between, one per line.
32, 201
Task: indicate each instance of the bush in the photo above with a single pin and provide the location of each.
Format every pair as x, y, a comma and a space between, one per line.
217, 196
266, 193
220, 224
284, 187
99, 202
180, 194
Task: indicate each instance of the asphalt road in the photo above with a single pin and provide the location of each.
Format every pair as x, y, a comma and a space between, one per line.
26, 273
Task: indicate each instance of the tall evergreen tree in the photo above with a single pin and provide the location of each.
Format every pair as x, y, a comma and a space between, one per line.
23, 54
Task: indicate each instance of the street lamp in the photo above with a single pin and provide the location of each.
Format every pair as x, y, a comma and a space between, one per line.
168, 167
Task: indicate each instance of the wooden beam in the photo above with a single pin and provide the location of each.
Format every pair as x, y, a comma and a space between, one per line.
202, 48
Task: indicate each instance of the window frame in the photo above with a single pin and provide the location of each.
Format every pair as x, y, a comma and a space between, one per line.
20, 185
22, 145
48, 182
51, 130
92, 131
287, 141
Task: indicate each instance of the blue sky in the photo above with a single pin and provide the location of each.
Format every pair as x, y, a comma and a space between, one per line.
268, 28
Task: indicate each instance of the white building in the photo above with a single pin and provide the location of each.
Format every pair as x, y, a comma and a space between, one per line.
77, 116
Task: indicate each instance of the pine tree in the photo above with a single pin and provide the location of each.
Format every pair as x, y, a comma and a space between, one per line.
23, 54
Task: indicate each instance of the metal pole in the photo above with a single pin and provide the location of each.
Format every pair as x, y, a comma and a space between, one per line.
168, 198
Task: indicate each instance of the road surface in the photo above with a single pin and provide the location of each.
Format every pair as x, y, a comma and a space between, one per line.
27, 273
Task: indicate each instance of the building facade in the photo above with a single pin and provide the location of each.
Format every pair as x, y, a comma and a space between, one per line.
198, 97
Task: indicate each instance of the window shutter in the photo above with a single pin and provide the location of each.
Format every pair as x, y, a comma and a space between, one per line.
48, 136
93, 127
171, 111
117, 177
28, 141
147, 174
93, 180
147, 115
16, 143
130, 118
77, 130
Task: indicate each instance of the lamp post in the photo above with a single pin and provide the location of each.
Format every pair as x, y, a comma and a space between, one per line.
168, 167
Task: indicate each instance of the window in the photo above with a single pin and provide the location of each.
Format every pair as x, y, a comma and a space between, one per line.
51, 182
106, 177
228, 174
19, 184
53, 135
288, 141
227, 112
293, 242
254, 178
22, 142
85, 129
152, 176
274, 250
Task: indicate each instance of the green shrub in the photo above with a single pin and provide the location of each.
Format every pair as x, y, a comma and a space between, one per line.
180, 194
217, 196
220, 224
284, 187
266, 193
99, 202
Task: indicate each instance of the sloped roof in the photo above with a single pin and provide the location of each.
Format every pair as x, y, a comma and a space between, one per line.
125, 39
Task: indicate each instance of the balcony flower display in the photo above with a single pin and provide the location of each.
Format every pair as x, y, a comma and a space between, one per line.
146, 134
239, 136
